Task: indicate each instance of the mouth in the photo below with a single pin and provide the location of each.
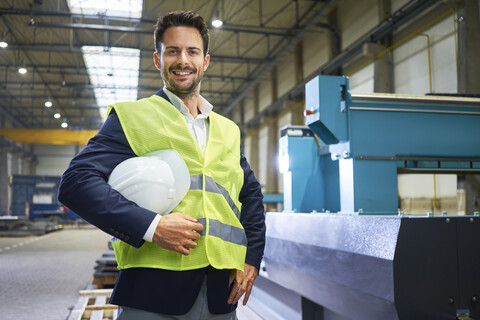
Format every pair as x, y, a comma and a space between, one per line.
182, 72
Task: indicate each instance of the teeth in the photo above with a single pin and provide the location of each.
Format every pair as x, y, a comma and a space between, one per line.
181, 73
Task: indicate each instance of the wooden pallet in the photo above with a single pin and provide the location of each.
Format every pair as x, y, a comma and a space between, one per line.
104, 280
106, 271
94, 305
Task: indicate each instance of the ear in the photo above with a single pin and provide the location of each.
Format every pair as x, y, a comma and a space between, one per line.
206, 62
156, 60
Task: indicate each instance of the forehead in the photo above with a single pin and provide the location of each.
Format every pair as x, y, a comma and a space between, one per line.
182, 37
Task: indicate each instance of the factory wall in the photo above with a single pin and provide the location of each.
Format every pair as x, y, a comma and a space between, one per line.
435, 46
362, 81
355, 18
316, 51
397, 4
411, 61
286, 74
53, 160
420, 193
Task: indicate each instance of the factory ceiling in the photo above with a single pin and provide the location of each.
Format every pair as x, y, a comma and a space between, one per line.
54, 42
63, 61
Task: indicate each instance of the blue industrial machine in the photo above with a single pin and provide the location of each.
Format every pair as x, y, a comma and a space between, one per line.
342, 249
35, 197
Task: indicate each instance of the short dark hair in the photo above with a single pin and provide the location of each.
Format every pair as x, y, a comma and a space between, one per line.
181, 19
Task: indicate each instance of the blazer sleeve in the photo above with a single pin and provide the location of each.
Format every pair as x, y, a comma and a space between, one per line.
84, 188
252, 215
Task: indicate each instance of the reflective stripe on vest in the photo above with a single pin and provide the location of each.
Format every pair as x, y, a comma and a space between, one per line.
196, 183
223, 231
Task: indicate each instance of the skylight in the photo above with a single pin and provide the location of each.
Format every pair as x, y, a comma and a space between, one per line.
112, 71
117, 8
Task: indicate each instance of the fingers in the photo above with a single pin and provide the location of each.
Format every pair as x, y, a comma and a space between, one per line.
243, 284
185, 248
237, 292
198, 227
247, 294
194, 235
178, 232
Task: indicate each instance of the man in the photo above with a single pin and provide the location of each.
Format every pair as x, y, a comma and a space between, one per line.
186, 273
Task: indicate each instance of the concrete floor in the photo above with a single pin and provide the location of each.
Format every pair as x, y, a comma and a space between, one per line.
40, 276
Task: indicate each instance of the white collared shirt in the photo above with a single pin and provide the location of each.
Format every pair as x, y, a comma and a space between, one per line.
198, 128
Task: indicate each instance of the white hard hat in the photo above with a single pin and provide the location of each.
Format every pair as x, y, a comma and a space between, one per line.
156, 181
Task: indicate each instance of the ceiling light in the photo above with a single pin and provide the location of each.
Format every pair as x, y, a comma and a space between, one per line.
3, 44
56, 115
217, 23
22, 70
48, 104
64, 124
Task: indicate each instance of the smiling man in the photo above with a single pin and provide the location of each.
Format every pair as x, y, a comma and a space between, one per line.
182, 60
199, 260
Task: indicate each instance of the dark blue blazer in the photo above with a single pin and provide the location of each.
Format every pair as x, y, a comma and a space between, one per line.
84, 189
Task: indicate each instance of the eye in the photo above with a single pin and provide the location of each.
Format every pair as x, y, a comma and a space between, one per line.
194, 51
171, 51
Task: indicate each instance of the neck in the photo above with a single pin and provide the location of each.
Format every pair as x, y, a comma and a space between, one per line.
192, 104
191, 100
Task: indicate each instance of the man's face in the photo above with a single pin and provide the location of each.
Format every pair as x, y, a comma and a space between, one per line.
181, 61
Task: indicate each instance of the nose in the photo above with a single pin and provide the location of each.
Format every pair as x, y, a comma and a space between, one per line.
182, 58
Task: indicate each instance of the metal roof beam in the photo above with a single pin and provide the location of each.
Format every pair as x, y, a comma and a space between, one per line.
68, 14
64, 70
143, 88
270, 31
273, 31
144, 53
88, 26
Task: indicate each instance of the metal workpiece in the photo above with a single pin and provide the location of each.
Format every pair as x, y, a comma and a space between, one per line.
377, 267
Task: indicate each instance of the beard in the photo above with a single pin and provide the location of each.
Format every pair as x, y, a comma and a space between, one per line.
178, 89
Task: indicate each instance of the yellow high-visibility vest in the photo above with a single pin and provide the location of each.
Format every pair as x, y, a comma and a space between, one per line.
216, 180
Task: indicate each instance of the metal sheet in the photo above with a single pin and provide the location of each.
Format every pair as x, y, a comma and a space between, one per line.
330, 258
378, 267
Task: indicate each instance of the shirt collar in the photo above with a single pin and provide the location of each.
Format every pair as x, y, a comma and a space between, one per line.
204, 107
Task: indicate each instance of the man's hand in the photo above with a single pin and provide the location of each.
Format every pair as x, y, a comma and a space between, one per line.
243, 283
177, 232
